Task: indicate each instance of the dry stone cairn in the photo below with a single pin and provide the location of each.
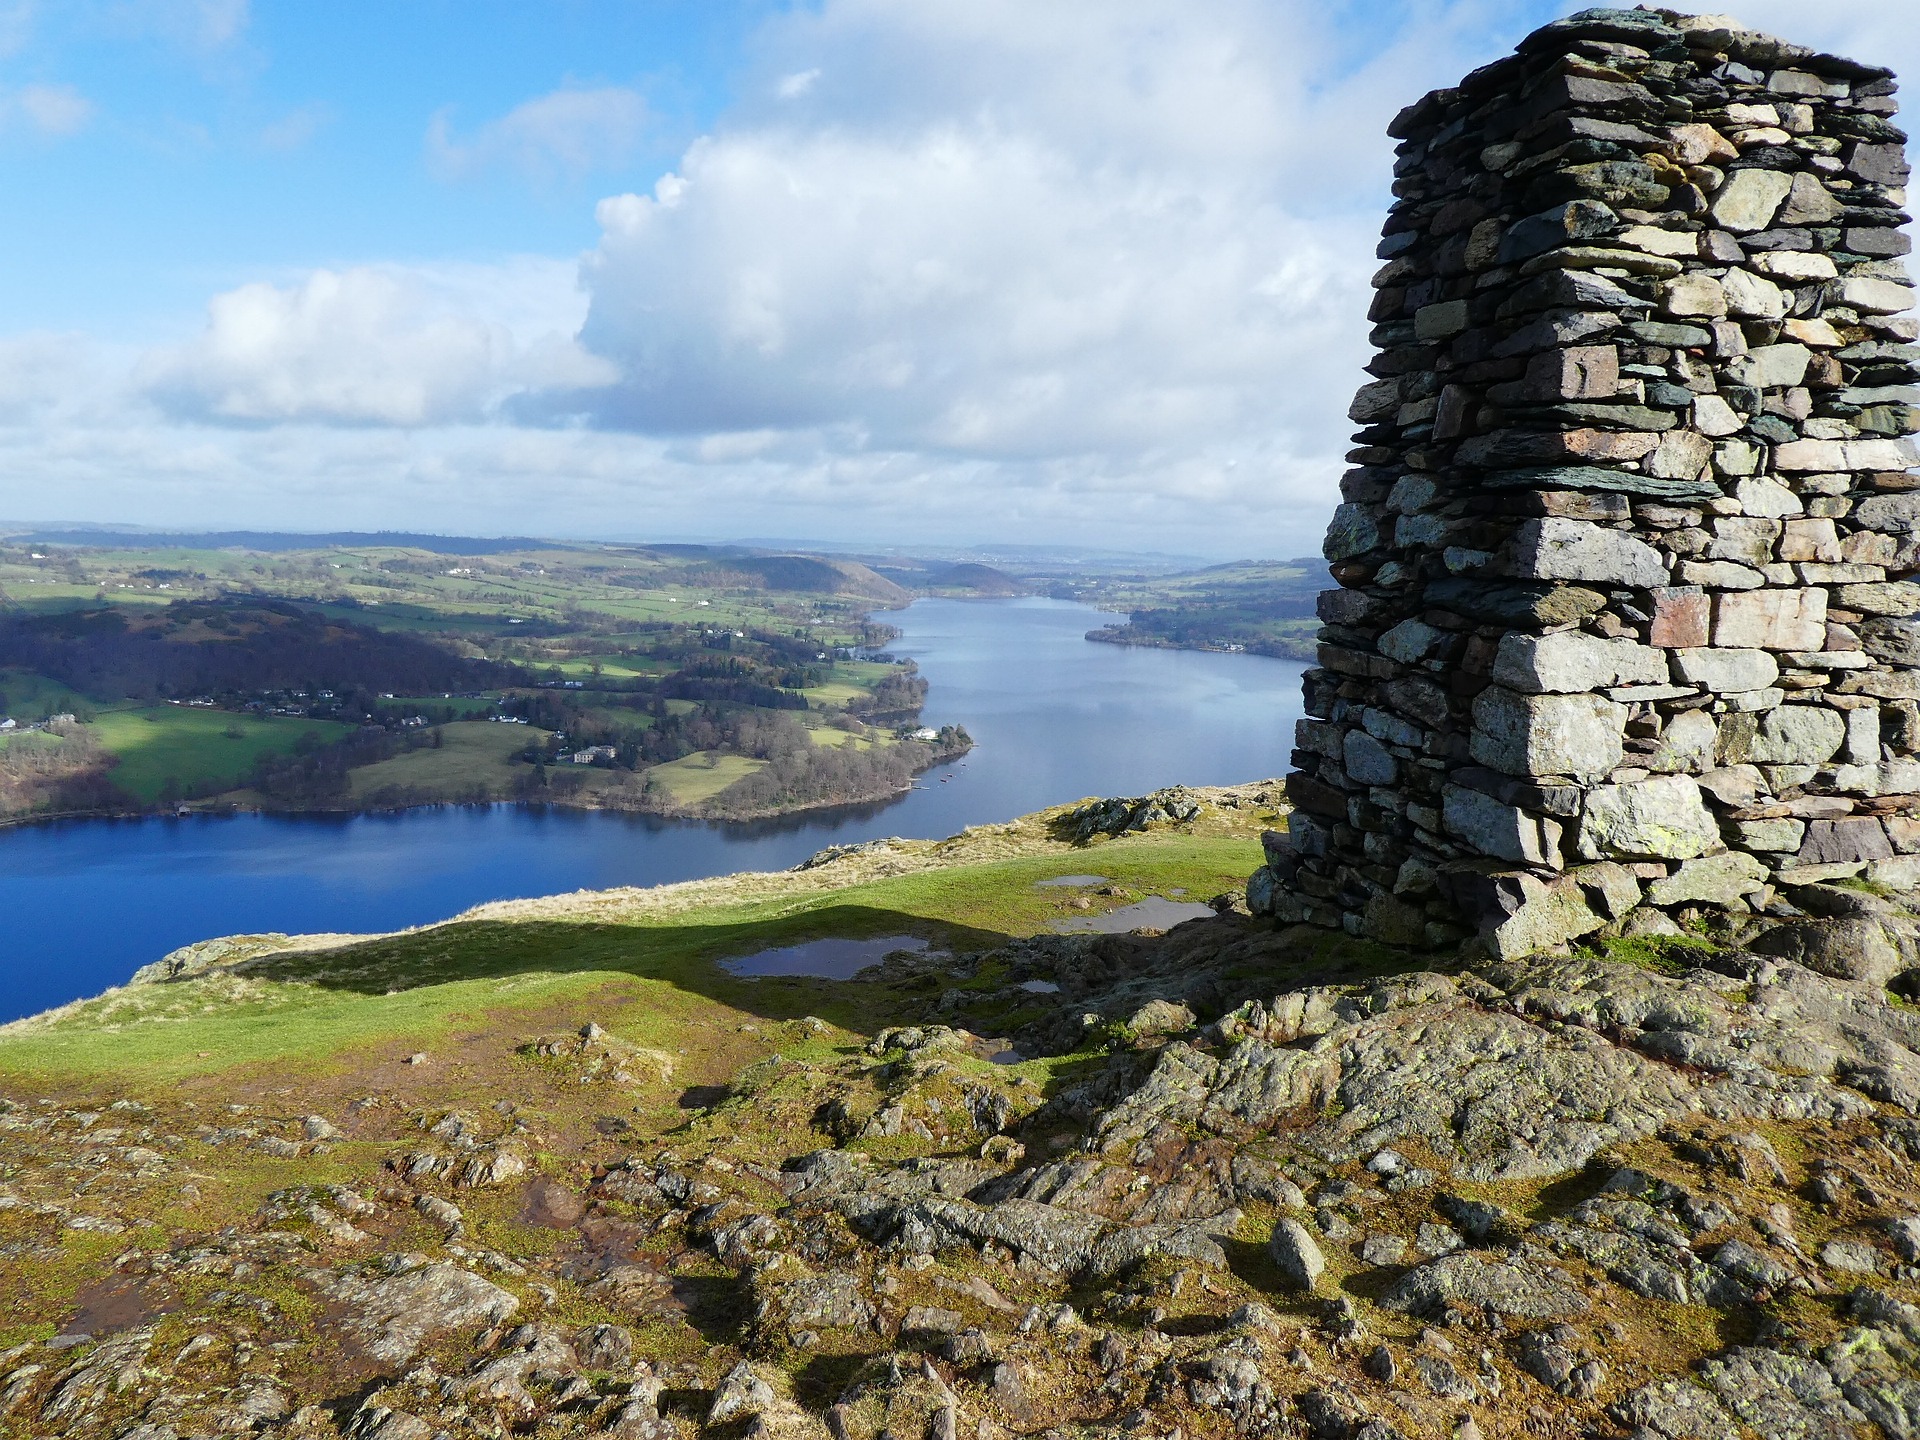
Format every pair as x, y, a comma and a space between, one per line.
1623, 621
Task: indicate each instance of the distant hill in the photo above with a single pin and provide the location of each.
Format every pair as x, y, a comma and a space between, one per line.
810, 574
964, 578
976, 579
246, 644
275, 541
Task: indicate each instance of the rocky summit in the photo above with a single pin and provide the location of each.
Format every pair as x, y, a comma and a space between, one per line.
1234, 1179
1556, 1075
1622, 623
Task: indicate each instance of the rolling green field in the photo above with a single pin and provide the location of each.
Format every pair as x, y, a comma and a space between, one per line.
620, 624
196, 747
472, 754
701, 776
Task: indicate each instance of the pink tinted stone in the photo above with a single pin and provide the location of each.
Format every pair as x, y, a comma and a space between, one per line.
1680, 618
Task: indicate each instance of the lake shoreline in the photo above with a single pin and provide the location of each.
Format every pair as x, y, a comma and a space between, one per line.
583, 800
92, 898
1119, 635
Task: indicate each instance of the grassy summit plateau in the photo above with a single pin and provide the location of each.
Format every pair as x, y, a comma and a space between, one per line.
552, 1168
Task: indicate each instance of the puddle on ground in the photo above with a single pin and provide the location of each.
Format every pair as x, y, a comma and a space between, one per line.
107, 1307
1153, 913
1075, 882
834, 959
1040, 987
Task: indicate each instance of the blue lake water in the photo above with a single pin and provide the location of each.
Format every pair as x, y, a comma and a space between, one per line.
1054, 716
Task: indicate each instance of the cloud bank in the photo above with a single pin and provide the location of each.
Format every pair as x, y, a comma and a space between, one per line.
1091, 271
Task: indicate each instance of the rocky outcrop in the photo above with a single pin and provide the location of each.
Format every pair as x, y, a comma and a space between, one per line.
1623, 614
1567, 1195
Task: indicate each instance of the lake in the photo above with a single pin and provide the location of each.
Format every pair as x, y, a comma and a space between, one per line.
1054, 716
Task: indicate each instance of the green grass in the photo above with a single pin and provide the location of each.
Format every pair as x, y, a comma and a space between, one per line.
615, 667
703, 775
461, 706
414, 988
828, 738
1663, 954
195, 747
471, 753
30, 697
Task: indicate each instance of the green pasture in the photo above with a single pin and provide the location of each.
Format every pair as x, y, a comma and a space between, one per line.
702, 775
471, 753
204, 747
30, 697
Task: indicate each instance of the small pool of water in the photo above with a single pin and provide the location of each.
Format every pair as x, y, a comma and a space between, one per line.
1040, 987
1073, 882
1153, 913
831, 959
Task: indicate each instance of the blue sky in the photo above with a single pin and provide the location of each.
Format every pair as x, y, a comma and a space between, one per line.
879, 271
235, 141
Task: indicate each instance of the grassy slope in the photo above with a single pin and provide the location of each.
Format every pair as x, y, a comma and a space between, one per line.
31, 697
471, 752
644, 955
699, 777
193, 745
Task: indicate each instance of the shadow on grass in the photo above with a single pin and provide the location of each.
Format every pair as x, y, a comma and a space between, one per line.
685, 956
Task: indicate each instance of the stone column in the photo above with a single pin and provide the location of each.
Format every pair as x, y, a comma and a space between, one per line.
1623, 622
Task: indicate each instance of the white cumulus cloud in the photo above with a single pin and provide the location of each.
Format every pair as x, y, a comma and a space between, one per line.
1086, 271
200, 25
1112, 252
374, 345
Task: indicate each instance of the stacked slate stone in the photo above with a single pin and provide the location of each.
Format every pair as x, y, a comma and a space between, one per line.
1623, 624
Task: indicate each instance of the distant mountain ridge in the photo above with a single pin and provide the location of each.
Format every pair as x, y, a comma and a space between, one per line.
276, 541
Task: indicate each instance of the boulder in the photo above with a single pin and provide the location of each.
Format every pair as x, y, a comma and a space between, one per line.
1524, 1287
1749, 199
1502, 831
1550, 914
1713, 879
1367, 761
1295, 1254
1411, 641
1771, 620
1848, 948
1724, 671
391, 1316
1352, 532
1798, 735
1890, 597
1686, 744
1837, 842
1611, 889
